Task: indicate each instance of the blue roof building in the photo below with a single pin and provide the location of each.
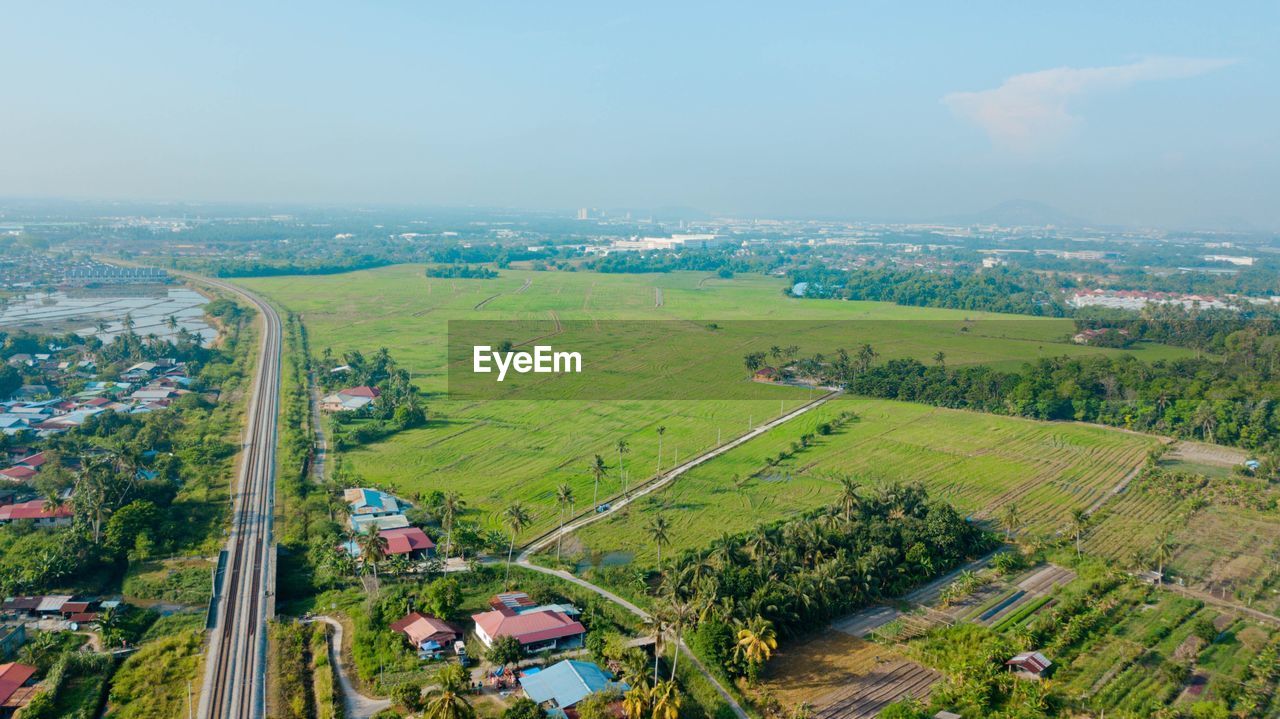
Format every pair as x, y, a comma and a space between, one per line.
562, 685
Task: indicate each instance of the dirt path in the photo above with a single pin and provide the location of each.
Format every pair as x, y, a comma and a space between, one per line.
485, 301
357, 706
523, 287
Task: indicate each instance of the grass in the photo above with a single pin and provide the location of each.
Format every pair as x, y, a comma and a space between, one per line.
497, 452
978, 462
178, 581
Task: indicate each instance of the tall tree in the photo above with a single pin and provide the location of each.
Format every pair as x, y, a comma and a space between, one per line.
1010, 519
661, 431
1079, 522
517, 519
450, 507
756, 641
564, 498
657, 529
598, 470
1163, 552
623, 448
373, 549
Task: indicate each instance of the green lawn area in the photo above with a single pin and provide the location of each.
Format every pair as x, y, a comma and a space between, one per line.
494, 452
978, 462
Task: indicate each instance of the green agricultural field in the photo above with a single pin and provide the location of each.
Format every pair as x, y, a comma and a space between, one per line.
979, 462
497, 452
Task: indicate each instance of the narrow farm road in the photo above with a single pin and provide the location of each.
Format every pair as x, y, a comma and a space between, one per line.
653, 485
356, 705
547, 539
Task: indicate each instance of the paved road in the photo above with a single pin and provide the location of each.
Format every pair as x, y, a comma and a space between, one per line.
235, 667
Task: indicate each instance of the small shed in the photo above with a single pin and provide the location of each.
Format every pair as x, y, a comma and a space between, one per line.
1029, 665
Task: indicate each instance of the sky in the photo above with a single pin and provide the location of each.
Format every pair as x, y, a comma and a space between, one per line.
1138, 113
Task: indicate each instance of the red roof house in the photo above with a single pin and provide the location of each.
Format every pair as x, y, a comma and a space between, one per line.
535, 630
425, 632
36, 512
17, 473
407, 540
35, 461
13, 677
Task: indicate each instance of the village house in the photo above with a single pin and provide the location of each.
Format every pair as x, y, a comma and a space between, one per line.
410, 542
350, 399
16, 687
537, 628
36, 511
564, 684
425, 633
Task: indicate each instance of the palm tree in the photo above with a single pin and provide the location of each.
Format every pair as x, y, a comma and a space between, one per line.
666, 700
661, 431
1163, 552
448, 703
450, 507
597, 469
638, 701
102, 327
657, 529
756, 641
373, 549
171, 322
564, 498
517, 519
866, 355
1079, 522
1010, 520
941, 358
623, 448
850, 502
52, 499
679, 616
128, 322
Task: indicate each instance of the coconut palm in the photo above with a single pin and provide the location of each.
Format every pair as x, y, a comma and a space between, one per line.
171, 322
1079, 522
1010, 520
564, 498
447, 703
623, 448
128, 322
450, 507
666, 700
517, 519
850, 502
598, 470
756, 641
661, 431
638, 701
373, 549
1163, 552
679, 616
658, 531
941, 358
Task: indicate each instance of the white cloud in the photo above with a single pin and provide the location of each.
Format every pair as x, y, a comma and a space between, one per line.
1031, 110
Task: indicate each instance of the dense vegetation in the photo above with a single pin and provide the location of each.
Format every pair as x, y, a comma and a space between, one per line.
793, 577
1002, 290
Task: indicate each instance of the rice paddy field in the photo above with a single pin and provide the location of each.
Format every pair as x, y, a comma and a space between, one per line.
978, 462
494, 452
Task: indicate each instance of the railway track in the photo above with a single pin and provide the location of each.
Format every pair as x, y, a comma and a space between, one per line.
235, 666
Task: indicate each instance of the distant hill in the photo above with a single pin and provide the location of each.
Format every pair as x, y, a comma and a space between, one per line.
1020, 212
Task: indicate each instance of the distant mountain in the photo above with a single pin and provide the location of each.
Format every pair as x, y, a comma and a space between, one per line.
1021, 212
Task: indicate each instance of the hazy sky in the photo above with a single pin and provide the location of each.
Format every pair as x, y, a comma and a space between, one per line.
1148, 113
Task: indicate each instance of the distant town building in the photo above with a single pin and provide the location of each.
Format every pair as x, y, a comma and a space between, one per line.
1238, 261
